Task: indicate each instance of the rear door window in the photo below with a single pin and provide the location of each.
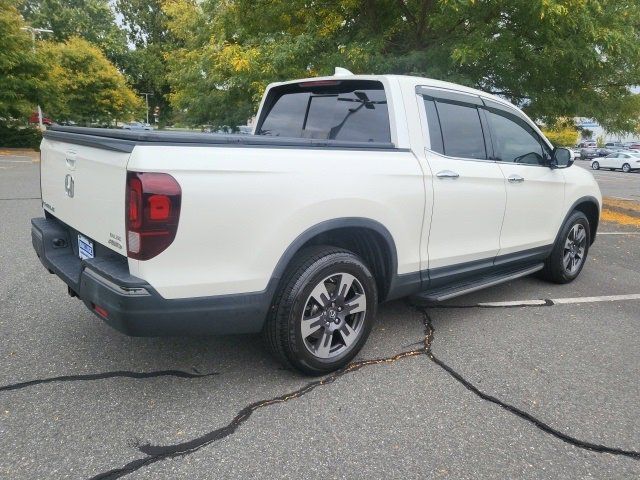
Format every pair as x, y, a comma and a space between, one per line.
461, 128
341, 110
435, 135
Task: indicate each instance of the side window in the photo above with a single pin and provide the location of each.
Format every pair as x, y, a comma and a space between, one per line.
435, 135
461, 130
514, 140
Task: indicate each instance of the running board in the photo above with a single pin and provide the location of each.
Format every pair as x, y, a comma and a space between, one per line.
450, 291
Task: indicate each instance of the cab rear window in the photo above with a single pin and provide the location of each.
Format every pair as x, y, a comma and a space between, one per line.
333, 110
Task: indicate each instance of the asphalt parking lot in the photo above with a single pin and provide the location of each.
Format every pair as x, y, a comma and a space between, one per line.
616, 183
543, 387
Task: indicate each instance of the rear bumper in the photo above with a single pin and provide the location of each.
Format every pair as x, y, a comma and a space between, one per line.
133, 306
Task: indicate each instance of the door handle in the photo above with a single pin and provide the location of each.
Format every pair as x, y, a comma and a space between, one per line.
515, 179
447, 174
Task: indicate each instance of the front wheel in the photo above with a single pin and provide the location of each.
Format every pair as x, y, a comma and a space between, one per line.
626, 168
595, 165
323, 312
570, 250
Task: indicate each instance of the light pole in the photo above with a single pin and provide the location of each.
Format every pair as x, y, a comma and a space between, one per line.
33, 43
146, 97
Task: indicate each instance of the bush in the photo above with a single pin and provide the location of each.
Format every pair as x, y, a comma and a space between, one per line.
20, 137
562, 136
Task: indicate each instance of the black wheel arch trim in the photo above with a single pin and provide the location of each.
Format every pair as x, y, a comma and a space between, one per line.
326, 226
586, 199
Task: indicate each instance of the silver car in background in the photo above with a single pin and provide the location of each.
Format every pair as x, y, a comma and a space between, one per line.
137, 126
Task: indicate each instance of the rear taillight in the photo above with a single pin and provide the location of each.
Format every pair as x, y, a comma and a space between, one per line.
153, 211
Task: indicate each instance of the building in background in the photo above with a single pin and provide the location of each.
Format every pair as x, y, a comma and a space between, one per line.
599, 132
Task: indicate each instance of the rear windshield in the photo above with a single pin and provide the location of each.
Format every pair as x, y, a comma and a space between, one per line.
334, 110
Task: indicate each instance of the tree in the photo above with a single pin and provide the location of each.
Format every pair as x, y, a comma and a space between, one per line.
554, 58
88, 88
92, 20
146, 27
563, 134
586, 133
22, 71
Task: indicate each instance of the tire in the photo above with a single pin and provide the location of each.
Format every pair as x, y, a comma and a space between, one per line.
573, 241
301, 297
626, 168
595, 166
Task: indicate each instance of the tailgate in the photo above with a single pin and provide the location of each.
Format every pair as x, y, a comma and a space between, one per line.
85, 188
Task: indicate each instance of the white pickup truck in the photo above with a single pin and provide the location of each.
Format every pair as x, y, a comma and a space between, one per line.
351, 191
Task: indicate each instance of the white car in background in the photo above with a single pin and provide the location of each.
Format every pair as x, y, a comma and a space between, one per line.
625, 161
575, 153
137, 126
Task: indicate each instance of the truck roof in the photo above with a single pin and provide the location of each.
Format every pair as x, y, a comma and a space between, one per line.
405, 80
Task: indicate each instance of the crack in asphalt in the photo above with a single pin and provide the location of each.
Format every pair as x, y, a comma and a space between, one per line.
156, 453
594, 447
101, 376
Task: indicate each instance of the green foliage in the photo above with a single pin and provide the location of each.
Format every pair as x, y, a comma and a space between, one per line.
22, 73
146, 26
562, 134
88, 88
555, 58
19, 137
586, 133
92, 20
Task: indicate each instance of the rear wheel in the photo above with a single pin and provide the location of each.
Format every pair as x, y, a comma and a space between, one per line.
570, 251
595, 165
323, 312
626, 168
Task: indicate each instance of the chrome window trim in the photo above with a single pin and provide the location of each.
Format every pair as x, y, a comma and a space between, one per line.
485, 104
464, 159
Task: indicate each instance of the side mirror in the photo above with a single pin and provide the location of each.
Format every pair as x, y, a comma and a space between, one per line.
561, 158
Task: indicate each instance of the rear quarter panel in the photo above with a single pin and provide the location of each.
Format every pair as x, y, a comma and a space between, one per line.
242, 207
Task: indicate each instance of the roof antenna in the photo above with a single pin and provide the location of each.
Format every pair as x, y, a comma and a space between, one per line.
341, 72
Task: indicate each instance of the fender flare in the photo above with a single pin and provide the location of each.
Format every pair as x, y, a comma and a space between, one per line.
325, 226
585, 199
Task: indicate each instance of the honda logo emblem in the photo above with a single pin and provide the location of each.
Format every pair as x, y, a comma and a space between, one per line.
68, 185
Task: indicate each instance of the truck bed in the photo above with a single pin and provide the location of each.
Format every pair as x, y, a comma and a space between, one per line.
125, 140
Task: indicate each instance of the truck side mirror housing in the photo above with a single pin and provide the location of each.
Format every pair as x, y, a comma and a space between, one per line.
561, 158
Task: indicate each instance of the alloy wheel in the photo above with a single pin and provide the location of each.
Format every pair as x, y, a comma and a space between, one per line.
574, 249
333, 316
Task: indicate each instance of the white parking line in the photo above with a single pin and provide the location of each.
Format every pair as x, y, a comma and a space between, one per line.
607, 298
618, 233
513, 303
